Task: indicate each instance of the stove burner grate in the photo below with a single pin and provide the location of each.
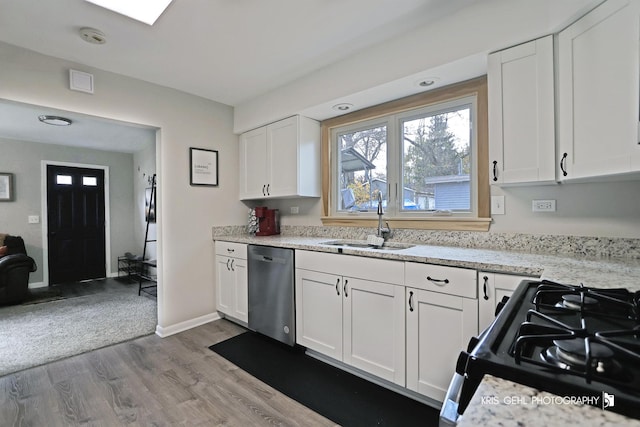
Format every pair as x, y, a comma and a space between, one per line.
616, 303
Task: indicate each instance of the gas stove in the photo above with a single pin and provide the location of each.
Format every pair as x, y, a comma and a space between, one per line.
574, 341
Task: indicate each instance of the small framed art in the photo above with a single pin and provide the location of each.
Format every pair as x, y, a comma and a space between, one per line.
6, 187
204, 167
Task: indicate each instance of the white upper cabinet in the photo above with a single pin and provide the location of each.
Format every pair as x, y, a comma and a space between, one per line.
281, 160
598, 72
521, 114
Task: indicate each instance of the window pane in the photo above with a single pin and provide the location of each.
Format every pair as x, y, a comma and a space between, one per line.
63, 179
436, 161
362, 168
91, 181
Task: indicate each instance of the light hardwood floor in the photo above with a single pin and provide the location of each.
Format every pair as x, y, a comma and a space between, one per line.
149, 381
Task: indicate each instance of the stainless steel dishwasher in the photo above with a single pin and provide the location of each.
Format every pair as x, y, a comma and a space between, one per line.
271, 292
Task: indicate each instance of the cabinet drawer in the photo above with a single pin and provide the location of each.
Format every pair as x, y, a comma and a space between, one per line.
374, 269
236, 250
438, 278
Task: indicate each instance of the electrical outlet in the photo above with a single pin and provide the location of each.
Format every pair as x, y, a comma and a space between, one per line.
33, 219
295, 210
497, 205
544, 206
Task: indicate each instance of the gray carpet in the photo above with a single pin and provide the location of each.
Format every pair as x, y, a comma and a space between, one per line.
31, 335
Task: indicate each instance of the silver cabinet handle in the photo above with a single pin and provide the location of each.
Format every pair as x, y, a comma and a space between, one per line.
484, 287
410, 300
438, 281
344, 288
338, 286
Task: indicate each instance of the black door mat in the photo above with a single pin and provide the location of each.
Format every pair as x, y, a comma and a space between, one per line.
337, 395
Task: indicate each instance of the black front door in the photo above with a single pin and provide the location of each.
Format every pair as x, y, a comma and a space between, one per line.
76, 218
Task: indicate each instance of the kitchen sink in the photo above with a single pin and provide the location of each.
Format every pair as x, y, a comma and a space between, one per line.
362, 244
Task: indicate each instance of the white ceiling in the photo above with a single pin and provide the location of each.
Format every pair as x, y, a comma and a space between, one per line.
226, 50
19, 121
229, 51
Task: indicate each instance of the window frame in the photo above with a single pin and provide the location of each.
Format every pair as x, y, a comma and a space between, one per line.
404, 107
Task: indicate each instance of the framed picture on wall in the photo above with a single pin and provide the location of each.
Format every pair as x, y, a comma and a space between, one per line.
6, 187
203, 167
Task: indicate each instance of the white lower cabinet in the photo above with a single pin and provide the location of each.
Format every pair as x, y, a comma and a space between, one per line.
492, 287
355, 320
232, 298
442, 316
358, 322
439, 326
319, 312
404, 322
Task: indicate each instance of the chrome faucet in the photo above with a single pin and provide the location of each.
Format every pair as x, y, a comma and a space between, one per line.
383, 232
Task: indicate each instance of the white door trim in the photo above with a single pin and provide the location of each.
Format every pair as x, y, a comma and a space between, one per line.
45, 219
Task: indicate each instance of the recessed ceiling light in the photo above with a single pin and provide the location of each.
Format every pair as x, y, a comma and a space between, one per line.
91, 35
55, 120
343, 107
427, 81
144, 11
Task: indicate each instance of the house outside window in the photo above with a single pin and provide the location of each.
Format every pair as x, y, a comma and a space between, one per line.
425, 160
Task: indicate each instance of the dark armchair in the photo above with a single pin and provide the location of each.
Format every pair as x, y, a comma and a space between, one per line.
15, 268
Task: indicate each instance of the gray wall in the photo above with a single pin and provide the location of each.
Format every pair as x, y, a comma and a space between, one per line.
24, 160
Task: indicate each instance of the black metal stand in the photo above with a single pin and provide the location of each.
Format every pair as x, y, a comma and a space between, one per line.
145, 275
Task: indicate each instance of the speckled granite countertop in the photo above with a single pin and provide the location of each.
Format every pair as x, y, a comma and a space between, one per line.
571, 269
502, 403
591, 271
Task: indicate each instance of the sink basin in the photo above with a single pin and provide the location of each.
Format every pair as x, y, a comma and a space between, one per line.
361, 244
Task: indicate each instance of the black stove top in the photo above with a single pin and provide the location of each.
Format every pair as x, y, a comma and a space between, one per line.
574, 341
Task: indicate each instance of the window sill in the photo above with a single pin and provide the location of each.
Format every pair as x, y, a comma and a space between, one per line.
440, 223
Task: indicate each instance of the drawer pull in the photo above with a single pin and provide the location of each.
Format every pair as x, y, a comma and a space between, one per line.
230, 250
438, 281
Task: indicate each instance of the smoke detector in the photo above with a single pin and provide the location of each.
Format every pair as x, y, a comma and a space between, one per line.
91, 35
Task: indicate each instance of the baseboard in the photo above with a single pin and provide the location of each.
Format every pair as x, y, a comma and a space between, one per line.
35, 285
164, 332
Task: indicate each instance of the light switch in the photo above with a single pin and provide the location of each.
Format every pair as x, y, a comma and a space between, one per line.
497, 205
34, 219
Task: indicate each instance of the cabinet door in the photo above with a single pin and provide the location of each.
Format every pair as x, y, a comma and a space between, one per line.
241, 307
232, 296
319, 312
253, 165
492, 288
598, 92
225, 286
439, 326
282, 158
374, 332
521, 113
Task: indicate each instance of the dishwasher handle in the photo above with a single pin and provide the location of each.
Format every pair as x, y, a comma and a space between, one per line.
271, 259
